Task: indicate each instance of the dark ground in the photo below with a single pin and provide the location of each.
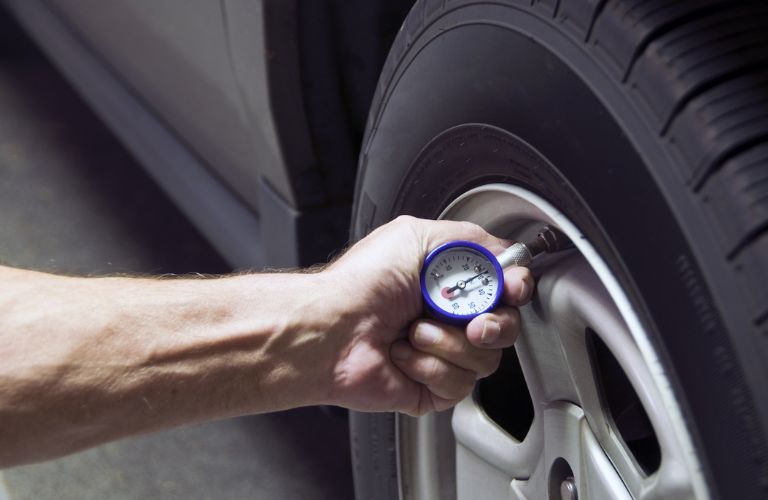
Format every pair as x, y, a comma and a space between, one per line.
72, 200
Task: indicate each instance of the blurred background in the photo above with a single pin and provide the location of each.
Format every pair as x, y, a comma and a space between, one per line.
73, 201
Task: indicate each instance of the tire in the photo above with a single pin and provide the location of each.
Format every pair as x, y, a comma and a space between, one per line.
646, 124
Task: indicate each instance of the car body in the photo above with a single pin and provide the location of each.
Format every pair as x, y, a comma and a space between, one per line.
248, 113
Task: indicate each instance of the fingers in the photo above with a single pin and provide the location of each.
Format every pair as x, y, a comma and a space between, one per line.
452, 344
496, 330
443, 379
518, 286
447, 360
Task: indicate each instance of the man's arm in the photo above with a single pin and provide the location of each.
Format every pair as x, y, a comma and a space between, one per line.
88, 360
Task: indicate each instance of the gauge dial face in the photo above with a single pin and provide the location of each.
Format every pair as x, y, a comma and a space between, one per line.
461, 280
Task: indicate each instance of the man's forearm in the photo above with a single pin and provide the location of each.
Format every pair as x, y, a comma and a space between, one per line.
89, 360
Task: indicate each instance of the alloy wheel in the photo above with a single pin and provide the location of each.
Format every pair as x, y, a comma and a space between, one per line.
581, 408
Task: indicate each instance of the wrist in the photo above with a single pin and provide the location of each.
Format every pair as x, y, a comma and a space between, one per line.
304, 318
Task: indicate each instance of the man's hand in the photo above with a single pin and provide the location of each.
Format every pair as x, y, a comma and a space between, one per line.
389, 358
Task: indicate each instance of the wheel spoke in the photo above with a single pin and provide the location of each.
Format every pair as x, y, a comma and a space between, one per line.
476, 432
571, 445
573, 301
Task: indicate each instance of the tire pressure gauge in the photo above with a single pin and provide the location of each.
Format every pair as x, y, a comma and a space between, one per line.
461, 279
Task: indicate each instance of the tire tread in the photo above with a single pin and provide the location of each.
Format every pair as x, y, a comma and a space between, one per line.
698, 72
715, 58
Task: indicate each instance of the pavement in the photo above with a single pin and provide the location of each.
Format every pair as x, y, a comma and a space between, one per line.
72, 200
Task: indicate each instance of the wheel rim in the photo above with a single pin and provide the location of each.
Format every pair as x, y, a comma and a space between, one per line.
573, 447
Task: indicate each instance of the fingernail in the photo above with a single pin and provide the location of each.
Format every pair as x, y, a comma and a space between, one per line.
491, 331
427, 334
400, 351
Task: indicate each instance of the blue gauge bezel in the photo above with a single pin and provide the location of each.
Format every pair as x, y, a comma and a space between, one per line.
434, 309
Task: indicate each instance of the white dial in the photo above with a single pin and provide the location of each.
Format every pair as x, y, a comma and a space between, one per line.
461, 281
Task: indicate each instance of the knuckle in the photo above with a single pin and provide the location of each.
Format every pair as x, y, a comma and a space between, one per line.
457, 345
473, 229
427, 335
405, 220
436, 370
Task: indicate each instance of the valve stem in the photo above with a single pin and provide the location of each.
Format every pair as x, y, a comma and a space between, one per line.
548, 240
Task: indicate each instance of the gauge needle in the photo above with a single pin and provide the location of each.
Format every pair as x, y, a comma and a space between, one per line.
460, 285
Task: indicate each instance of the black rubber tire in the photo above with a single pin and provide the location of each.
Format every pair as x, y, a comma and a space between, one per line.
651, 119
